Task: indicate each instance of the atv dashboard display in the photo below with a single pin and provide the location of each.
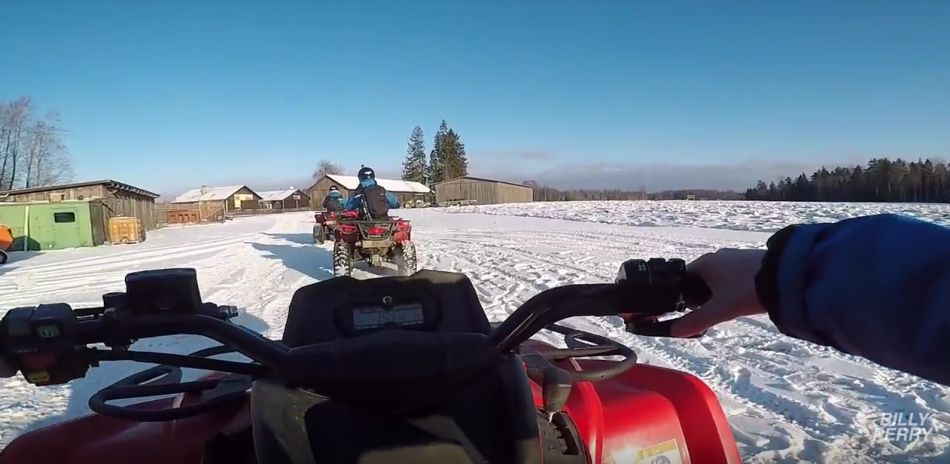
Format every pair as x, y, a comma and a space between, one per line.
376, 317
344, 307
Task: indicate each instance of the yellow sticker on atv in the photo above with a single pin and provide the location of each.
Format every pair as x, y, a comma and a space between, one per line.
663, 453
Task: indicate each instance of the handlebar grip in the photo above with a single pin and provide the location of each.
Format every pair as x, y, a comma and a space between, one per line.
695, 293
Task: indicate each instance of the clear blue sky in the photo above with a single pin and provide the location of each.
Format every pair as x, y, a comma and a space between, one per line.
169, 94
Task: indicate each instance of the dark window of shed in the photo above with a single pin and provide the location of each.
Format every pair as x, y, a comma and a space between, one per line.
64, 217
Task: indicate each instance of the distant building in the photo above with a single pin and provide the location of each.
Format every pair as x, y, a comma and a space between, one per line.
209, 204
481, 191
284, 199
73, 215
405, 191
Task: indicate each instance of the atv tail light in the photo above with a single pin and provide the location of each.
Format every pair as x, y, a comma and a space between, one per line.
376, 230
347, 229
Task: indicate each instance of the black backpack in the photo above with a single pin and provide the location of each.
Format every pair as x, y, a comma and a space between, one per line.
332, 204
374, 197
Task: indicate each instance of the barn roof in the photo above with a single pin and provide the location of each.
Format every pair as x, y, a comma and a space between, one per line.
392, 185
115, 185
278, 195
209, 194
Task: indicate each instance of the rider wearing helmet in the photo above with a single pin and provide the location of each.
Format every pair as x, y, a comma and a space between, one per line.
333, 202
370, 197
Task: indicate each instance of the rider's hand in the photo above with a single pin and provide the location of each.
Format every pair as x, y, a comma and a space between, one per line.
730, 274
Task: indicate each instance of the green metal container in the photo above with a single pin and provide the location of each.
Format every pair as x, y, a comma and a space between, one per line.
53, 225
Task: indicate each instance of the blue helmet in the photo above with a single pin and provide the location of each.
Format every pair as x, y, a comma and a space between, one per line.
366, 173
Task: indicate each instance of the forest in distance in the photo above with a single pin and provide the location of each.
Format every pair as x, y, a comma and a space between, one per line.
880, 181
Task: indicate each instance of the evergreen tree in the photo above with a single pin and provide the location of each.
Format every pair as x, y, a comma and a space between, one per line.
882, 180
454, 161
436, 157
415, 168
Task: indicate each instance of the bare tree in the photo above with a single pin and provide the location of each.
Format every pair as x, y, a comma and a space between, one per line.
32, 153
326, 167
14, 119
46, 160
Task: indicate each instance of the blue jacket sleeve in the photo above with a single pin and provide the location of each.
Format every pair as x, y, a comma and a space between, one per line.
875, 286
392, 200
352, 203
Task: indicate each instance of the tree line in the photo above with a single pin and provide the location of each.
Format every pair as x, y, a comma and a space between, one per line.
547, 193
32, 151
447, 160
882, 180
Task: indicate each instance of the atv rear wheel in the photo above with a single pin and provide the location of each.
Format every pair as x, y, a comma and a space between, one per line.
319, 235
3, 257
405, 258
342, 259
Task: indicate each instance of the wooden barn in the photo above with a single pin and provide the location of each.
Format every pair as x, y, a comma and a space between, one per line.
211, 204
284, 199
479, 191
117, 198
406, 191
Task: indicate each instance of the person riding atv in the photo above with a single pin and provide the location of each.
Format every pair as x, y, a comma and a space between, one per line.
370, 198
333, 202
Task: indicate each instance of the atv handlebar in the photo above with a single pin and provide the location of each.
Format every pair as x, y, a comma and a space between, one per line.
48, 342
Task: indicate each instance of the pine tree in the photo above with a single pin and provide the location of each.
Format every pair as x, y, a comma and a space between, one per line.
437, 156
415, 167
455, 163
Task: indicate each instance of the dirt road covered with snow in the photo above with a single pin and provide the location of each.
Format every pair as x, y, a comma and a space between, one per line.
786, 399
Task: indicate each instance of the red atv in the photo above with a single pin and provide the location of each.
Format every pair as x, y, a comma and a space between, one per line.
388, 370
375, 241
325, 222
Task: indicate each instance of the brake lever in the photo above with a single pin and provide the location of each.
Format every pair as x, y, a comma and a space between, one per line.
694, 293
656, 328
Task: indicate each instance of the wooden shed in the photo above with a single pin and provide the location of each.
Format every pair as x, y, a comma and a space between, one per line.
284, 199
479, 191
405, 191
117, 198
211, 203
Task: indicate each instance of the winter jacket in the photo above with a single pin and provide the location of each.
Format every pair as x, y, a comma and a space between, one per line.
354, 201
333, 197
875, 286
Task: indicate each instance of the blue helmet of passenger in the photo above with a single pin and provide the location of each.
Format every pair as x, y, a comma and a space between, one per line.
366, 173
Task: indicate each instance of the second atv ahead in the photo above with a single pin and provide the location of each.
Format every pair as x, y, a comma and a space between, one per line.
374, 241
325, 223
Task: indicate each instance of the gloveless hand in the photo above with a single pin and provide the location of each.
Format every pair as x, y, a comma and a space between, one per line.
730, 274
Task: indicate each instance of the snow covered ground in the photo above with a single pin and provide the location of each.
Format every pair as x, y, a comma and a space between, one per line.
788, 401
736, 215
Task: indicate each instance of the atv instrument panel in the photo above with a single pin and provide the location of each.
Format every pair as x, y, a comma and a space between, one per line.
345, 307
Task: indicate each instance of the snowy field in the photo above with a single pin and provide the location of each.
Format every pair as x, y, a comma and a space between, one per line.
735, 215
787, 400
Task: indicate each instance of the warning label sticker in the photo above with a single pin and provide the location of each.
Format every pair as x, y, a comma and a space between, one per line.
663, 453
